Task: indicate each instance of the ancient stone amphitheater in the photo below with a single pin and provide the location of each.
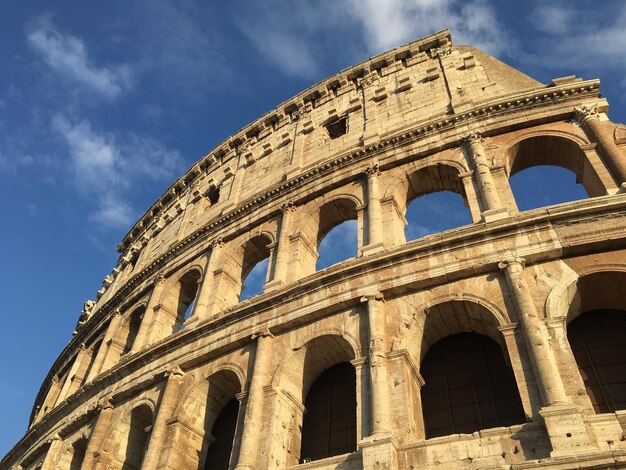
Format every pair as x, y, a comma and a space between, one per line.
499, 344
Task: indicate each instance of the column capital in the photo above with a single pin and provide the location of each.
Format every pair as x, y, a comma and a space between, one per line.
373, 169
175, 372
287, 207
54, 438
217, 244
262, 334
105, 405
159, 280
516, 263
373, 296
473, 138
116, 313
584, 113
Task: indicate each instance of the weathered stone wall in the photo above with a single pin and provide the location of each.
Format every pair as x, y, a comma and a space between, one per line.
423, 118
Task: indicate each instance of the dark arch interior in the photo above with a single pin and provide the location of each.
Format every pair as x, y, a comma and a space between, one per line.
218, 455
597, 341
468, 387
140, 426
329, 424
78, 454
134, 322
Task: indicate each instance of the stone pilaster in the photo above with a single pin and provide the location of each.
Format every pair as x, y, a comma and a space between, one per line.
374, 211
206, 292
96, 440
379, 384
254, 407
281, 260
72, 377
563, 420
492, 209
166, 409
589, 117
52, 455
143, 335
113, 327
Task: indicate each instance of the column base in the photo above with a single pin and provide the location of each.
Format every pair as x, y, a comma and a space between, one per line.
380, 451
566, 430
495, 214
273, 285
372, 249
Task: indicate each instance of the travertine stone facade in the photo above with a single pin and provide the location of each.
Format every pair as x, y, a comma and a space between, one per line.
167, 348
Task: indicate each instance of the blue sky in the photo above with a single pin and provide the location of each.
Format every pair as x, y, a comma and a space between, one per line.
104, 104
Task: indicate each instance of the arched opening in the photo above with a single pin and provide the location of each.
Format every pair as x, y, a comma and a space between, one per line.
187, 290
78, 453
544, 185
435, 201
139, 430
133, 323
434, 213
218, 456
220, 420
337, 233
329, 423
597, 341
468, 387
254, 267
339, 244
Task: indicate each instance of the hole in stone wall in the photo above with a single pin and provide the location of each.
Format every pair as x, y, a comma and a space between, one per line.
213, 194
337, 128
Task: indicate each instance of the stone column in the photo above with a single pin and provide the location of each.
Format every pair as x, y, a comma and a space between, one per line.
492, 205
599, 132
52, 455
535, 338
51, 398
97, 436
254, 407
206, 293
114, 324
164, 413
71, 376
374, 211
142, 339
281, 260
378, 376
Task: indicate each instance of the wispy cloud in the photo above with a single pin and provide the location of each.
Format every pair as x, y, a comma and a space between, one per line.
581, 39
67, 55
105, 166
299, 37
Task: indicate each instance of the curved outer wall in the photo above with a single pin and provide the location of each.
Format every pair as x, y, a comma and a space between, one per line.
426, 117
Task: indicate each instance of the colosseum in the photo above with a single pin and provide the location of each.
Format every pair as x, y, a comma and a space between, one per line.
496, 345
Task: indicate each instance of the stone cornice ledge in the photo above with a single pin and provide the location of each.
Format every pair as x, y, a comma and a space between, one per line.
616, 205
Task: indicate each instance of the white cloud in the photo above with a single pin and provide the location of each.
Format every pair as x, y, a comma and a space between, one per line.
299, 37
390, 23
553, 19
67, 55
581, 38
106, 166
